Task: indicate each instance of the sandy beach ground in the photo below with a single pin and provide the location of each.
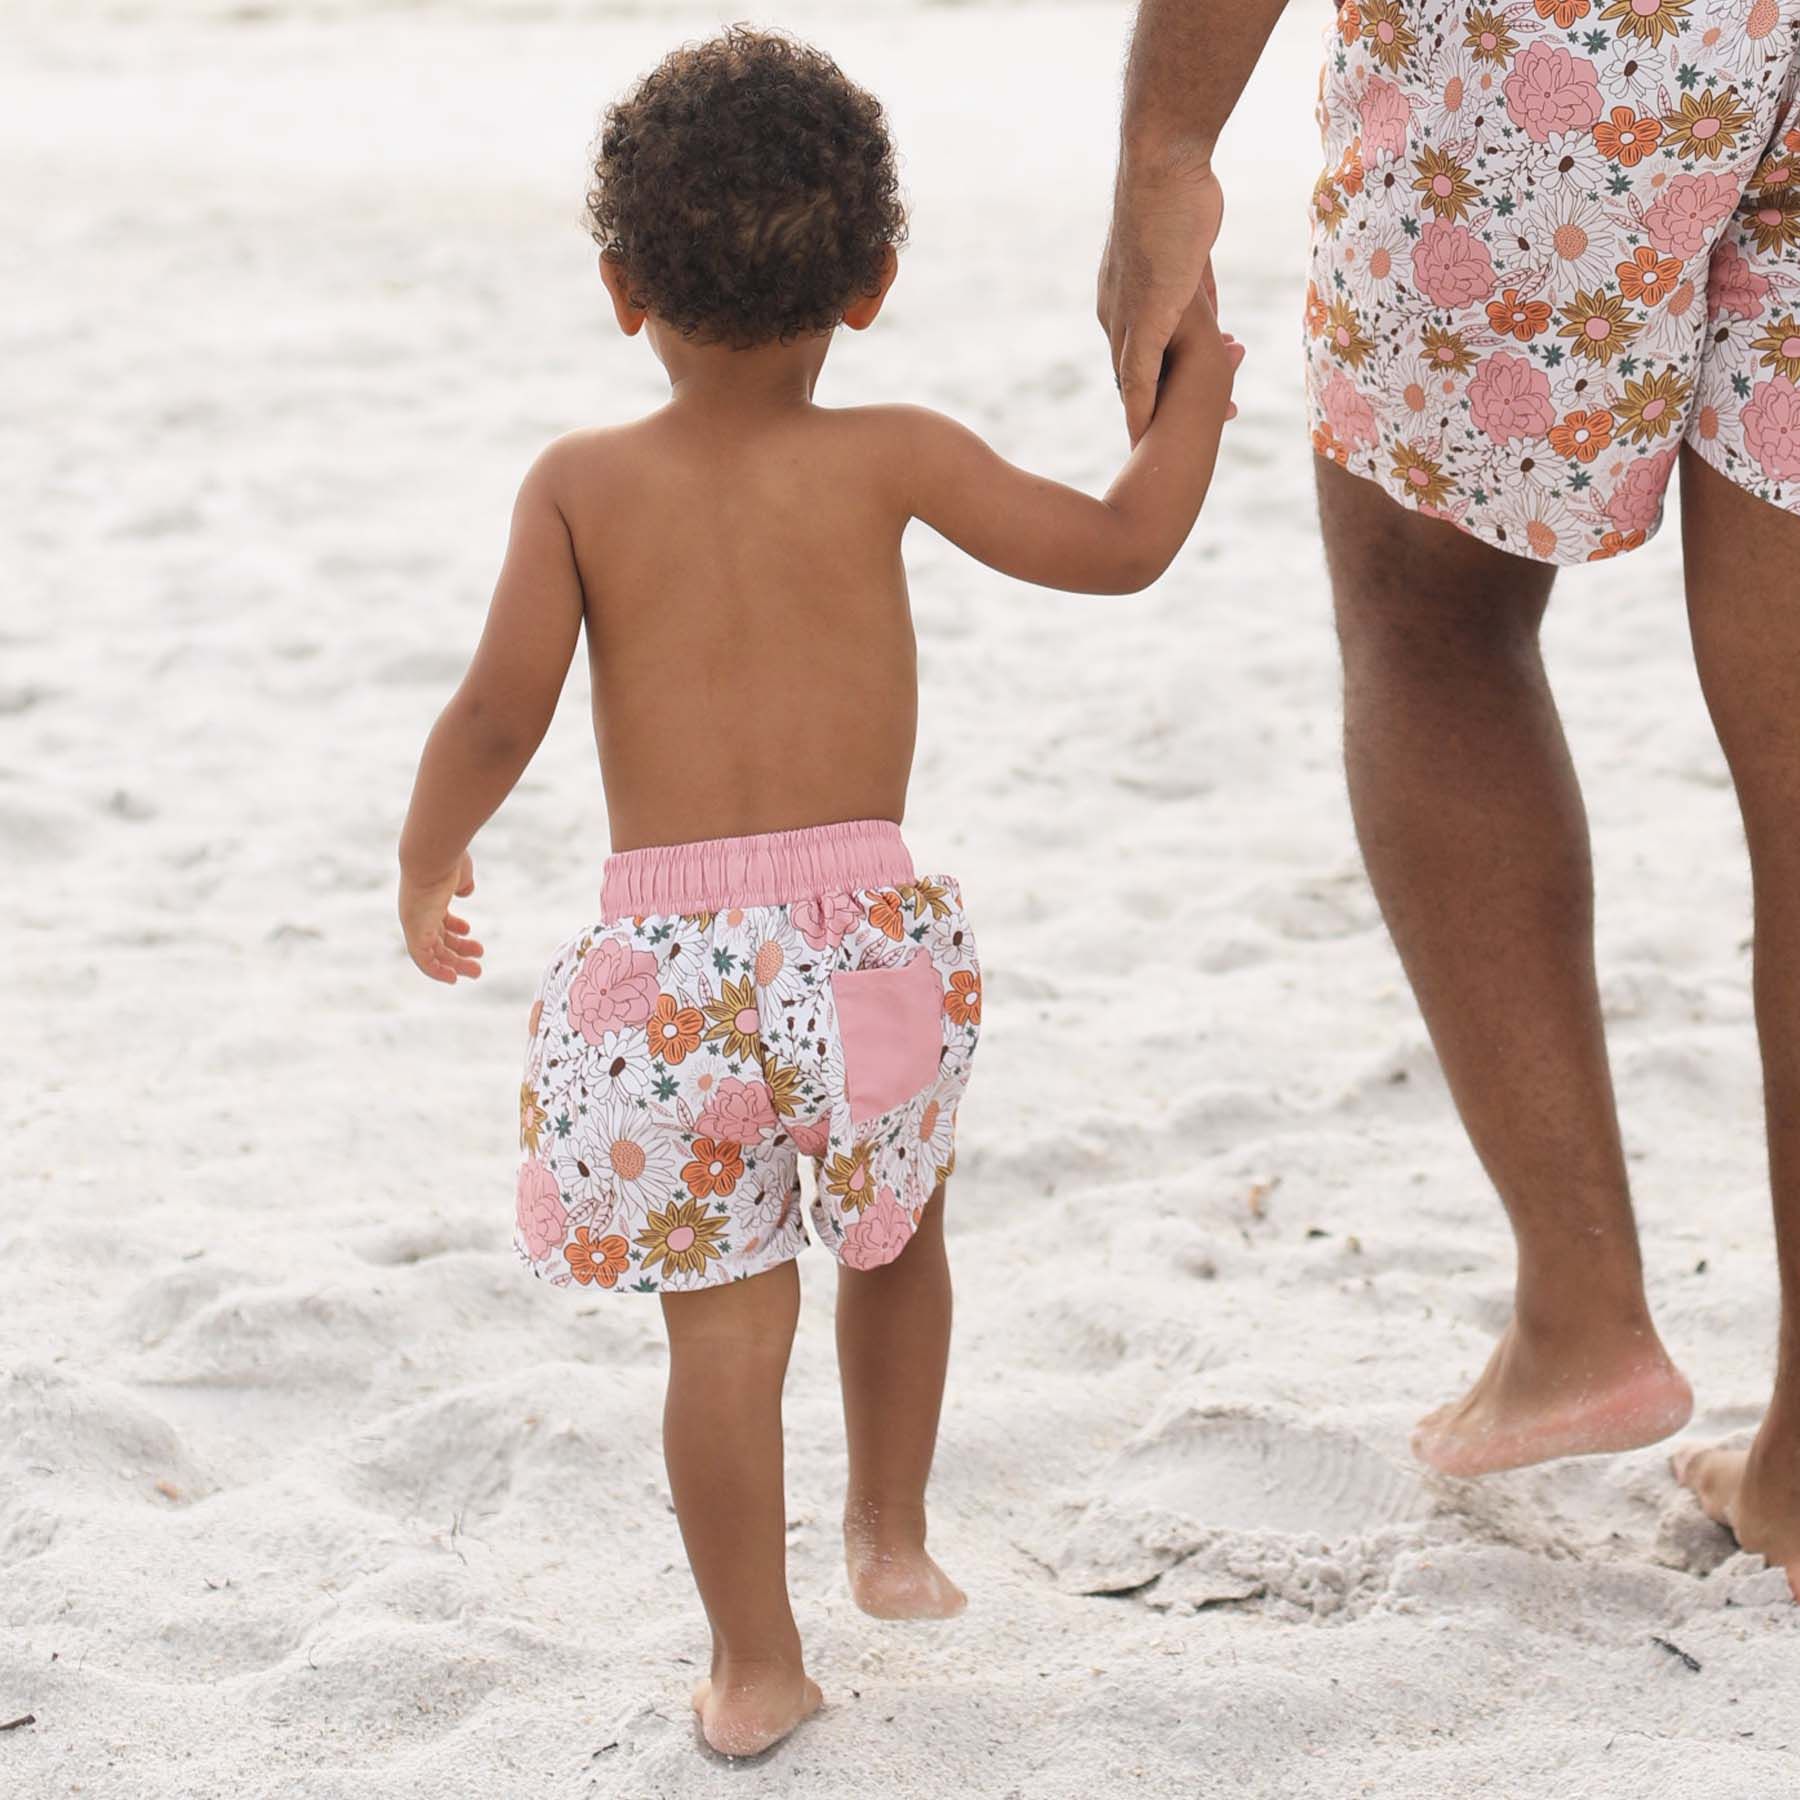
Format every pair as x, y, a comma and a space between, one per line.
304, 1489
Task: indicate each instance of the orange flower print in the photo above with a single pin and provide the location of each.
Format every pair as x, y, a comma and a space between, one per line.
887, 914
1344, 335
1324, 444
1350, 171
963, 1000
1780, 346
1582, 435
1448, 350
1422, 475
1444, 182
1648, 278
1653, 407
1384, 30
1598, 326
1563, 12
1316, 315
597, 1259
1653, 25
1627, 137
1523, 319
674, 1029
1487, 37
1349, 21
1707, 125
1616, 543
716, 1169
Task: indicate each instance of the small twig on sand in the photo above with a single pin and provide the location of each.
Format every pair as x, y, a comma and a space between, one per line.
22, 1719
1691, 1663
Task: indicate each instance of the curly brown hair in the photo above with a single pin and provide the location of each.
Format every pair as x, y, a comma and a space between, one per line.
748, 189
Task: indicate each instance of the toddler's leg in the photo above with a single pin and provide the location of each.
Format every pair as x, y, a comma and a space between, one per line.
728, 1356
893, 1332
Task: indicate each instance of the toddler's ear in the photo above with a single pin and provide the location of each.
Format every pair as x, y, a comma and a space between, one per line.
859, 315
618, 286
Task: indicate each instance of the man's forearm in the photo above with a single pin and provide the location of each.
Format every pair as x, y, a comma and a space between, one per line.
1190, 60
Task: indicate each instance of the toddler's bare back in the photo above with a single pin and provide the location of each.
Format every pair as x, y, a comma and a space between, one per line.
749, 637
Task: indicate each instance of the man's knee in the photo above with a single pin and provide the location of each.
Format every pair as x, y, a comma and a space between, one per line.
1414, 593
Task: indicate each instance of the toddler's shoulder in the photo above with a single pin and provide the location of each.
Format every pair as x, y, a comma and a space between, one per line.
584, 469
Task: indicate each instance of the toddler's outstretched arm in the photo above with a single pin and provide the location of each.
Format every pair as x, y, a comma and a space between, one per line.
1039, 530
495, 721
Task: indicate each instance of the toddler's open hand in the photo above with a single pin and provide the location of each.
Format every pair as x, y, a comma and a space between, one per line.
436, 939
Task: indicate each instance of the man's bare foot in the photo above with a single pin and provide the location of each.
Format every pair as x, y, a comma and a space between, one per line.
1534, 1403
1754, 1494
892, 1576
743, 1712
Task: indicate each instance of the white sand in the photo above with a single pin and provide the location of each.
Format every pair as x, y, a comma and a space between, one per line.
304, 1490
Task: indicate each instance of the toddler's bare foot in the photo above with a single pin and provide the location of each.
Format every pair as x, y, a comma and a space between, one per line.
892, 1576
1537, 1401
1754, 1493
745, 1710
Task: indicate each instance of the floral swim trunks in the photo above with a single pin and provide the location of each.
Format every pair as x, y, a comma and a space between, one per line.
1554, 240
743, 1003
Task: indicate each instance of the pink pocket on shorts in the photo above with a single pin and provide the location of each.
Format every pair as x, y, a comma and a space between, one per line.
891, 1025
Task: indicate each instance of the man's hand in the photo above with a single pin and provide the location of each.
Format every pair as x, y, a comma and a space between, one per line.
436, 939
1166, 216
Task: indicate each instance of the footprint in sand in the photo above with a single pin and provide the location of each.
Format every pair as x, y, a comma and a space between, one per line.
1200, 1473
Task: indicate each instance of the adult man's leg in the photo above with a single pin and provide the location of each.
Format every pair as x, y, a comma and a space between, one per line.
1472, 826
1743, 576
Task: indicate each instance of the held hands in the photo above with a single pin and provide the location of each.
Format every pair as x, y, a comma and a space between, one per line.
436, 940
1158, 261
1199, 339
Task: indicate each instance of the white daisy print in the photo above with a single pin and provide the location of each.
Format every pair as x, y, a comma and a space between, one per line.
618, 1068
631, 1152
1574, 238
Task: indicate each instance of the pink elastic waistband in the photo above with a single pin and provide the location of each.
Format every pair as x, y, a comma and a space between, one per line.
777, 868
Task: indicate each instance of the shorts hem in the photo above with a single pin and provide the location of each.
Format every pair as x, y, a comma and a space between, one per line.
1489, 536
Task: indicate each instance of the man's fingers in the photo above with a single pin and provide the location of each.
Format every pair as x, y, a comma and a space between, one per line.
1140, 368
453, 923
462, 946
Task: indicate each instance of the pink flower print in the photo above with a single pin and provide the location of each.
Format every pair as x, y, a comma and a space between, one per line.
1510, 398
812, 1138
1349, 414
1732, 286
1550, 90
1771, 424
543, 1222
739, 1113
1451, 266
1386, 115
615, 986
824, 921
1682, 221
1636, 503
884, 1230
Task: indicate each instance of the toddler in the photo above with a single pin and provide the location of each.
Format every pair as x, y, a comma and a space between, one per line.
770, 976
